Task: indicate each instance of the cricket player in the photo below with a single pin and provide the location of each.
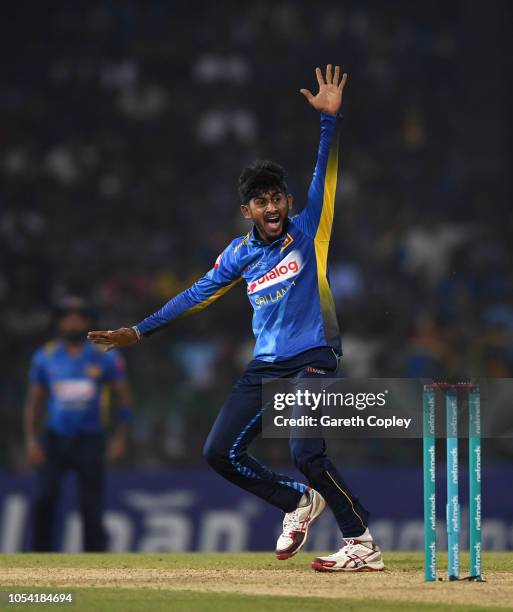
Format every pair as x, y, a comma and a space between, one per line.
283, 261
67, 377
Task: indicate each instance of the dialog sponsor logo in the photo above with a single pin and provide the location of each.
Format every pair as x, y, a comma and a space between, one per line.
288, 267
72, 390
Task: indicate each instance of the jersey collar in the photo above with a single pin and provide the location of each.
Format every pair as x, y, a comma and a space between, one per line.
65, 350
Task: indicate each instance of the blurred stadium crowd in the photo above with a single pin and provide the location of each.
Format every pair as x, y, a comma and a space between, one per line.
123, 127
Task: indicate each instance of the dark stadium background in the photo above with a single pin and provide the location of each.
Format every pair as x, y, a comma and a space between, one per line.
123, 127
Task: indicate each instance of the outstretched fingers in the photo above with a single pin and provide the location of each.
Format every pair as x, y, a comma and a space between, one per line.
308, 94
332, 77
329, 77
99, 337
320, 78
329, 97
336, 75
343, 81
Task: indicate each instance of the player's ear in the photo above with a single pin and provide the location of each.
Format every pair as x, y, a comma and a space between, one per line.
290, 201
246, 213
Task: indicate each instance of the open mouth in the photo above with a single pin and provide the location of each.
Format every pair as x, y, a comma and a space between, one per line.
273, 222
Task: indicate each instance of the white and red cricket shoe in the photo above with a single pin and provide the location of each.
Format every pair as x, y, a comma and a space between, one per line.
296, 524
354, 556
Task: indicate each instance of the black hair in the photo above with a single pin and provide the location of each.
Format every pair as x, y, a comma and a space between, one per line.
259, 177
74, 303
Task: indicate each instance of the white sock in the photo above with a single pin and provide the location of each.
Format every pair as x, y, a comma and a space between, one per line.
305, 500
365, 537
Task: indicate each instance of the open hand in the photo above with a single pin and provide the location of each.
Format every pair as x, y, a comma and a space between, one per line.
119, 338
329, 98
116, 448
35, 452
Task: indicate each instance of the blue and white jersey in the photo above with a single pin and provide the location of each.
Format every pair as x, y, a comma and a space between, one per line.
75, 385
287, 281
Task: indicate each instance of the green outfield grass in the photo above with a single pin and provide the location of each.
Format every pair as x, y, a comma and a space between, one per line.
248, 582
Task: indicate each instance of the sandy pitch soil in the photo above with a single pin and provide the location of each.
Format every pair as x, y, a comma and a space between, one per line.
386, 585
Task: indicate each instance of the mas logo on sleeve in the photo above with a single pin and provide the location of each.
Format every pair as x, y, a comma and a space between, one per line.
218, 261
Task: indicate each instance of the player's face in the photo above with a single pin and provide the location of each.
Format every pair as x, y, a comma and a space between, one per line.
268, 211
73, 326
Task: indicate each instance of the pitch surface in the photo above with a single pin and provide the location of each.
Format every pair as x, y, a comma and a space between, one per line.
249, 582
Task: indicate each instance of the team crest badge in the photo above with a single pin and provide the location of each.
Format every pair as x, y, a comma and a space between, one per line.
93, 371
287, 242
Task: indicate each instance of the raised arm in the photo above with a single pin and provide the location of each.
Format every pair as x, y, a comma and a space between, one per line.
316, 218
221, 278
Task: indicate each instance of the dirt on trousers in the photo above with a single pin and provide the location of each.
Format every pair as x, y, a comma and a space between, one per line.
387, 585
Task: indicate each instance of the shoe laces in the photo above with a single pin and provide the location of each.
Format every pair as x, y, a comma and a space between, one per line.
349, 546
347, 549
291, 522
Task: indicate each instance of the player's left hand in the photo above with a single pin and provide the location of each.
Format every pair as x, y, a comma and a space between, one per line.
329, 98
119, 338
116, 448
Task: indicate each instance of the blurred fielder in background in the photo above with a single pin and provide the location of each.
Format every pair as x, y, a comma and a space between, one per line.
69, 377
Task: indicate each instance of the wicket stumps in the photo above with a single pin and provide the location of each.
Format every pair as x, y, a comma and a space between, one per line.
453, 506
453, 519
429, 464
474, 462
